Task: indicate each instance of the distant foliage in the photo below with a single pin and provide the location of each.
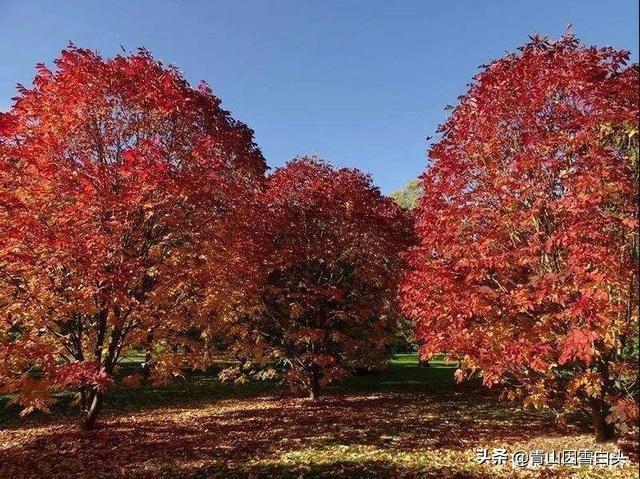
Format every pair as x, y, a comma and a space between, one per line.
332, 267
527, 269
408, 196
121, 193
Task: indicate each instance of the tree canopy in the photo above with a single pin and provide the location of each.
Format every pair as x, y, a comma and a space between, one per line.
332, 266
526, 268
121, 191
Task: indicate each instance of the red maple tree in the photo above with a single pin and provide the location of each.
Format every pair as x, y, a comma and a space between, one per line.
527, 265
120, 190
328, 301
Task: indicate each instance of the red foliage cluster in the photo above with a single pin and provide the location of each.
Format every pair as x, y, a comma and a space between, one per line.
122, 188
135, 215
328, 303
527, 264
129, 222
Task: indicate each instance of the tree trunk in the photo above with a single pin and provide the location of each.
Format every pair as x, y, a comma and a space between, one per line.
83, 399
146, 366
604, 432
89, 420
314, 390
423, 363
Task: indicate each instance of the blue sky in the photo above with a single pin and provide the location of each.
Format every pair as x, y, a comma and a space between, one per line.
360, 83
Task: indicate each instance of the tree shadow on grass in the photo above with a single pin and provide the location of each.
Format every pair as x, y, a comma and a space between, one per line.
270, 435
190, 391
397, 423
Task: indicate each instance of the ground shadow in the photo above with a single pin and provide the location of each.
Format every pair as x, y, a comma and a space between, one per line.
408, 428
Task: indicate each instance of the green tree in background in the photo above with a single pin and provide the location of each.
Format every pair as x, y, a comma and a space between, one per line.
408, 196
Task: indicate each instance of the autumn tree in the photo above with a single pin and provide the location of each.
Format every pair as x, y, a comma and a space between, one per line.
121, 188
332, 265
527, 264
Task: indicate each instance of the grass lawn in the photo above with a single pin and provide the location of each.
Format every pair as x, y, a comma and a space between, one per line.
408, 421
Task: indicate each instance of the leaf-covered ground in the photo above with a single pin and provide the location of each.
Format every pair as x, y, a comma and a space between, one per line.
407, 422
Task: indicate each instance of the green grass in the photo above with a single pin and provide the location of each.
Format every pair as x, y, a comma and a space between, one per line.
403, 374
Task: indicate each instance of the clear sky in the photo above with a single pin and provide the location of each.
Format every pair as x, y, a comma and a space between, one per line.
358, 82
